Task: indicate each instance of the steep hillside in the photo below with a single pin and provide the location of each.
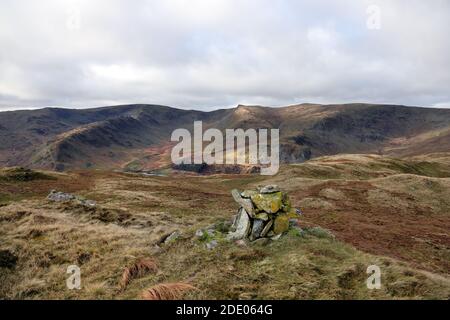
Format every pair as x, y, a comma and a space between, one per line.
138, 136
100, 137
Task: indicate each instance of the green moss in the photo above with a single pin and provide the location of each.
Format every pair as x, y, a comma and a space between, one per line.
295, 232
217, 235
320, 233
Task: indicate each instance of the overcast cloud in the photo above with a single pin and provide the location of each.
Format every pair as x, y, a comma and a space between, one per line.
206, 54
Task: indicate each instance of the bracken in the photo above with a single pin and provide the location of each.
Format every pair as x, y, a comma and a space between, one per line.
138, 269
167, 291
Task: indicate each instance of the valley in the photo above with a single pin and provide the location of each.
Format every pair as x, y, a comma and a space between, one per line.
137, 137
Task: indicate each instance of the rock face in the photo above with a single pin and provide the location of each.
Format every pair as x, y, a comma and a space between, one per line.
265, 213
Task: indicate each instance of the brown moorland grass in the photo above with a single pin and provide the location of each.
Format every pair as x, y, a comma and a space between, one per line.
137, 269
378, 214
167, 291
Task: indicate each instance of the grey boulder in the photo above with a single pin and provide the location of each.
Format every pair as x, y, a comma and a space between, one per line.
257, 227
241, 225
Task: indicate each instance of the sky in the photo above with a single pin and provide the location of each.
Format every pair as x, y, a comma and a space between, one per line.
209, 54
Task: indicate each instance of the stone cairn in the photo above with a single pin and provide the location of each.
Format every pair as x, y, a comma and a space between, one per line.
265, 213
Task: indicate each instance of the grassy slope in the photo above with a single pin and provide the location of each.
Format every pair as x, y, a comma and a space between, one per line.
380, 212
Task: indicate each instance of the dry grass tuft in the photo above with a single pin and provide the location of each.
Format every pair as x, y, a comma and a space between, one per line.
138, 269
167, 291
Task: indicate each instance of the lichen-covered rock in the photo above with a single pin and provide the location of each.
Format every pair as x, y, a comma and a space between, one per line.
241, 225
60, 196
281, 224
271, 188
262, 216
261, 241
245, 203
248, 193
293, 213
268, 202
286, 205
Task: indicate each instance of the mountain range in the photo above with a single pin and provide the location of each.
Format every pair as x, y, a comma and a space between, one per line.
137, 137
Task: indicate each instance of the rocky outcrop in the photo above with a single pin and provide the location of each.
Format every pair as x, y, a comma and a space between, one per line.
263, 213
58, 196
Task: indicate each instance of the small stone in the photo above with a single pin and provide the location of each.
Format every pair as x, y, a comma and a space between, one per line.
88, 203
266, 229
269, 189
257, 227
247, 296
262, 216
248, 193
242, 225
199, 233
274, 238
156, 249
260, 242
172, 237
212, 244
241, 243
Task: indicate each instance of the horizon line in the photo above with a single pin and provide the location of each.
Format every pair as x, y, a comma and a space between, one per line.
12, 109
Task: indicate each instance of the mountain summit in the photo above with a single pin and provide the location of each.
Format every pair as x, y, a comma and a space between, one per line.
138, 136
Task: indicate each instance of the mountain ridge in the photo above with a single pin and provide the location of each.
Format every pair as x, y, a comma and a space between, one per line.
114, 137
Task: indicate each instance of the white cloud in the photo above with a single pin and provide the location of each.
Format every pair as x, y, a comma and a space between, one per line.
212, 53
